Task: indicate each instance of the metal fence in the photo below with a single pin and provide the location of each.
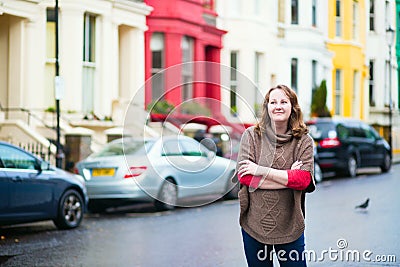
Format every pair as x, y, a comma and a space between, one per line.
39, 150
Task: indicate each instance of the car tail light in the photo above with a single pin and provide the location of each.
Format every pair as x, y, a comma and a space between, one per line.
330, 142
76, 171
135, 171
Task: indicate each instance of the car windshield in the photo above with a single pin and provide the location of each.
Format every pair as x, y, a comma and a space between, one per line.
321, 130
128, 147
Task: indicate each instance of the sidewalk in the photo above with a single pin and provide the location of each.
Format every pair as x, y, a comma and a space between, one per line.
396, 157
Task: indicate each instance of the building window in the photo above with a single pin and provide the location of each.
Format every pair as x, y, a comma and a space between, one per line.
356, 91
257, 74
157, 65
281, 11
233, 81
187, 69
371, 84
295, 12
387, 14
314, 13
355, 20
89, 67
89, 31
372, 15
314, 77
387, 82
338, 91
50, 34
257, 62
293, 73
338, 19
51, 56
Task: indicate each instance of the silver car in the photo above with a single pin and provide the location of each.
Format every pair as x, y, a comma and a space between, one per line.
167, 171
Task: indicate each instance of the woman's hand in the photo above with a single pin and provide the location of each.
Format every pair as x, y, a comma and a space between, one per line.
296, 165
248, 167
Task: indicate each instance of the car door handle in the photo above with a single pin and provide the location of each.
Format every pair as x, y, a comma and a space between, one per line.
17, 179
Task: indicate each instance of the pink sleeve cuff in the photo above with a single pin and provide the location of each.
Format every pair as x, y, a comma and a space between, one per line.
250, 180
298, 179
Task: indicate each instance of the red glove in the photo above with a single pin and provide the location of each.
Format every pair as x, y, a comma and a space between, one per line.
298, 179
250, 180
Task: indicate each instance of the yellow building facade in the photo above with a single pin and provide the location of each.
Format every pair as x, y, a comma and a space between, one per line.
347, 41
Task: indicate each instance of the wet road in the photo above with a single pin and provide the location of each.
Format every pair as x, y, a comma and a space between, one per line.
332, 218
210, 235
200, 236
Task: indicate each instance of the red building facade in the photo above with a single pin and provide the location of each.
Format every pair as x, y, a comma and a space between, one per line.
181, 31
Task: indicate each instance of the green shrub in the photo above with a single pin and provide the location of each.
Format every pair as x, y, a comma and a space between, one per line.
160, 107
194, 108
318, 103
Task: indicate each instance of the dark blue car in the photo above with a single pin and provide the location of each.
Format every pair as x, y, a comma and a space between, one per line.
344, 145
33, 190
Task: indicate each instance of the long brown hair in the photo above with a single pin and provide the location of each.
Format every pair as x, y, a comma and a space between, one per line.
295, 122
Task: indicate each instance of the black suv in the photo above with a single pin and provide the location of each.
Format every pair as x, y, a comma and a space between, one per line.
343, 145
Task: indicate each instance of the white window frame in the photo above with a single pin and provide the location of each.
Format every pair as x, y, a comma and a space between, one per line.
338, 18
338, 91
157, 45
356, 16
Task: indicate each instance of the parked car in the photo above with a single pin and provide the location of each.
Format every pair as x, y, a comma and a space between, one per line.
318, 174
33, 190
166, 171
344, 145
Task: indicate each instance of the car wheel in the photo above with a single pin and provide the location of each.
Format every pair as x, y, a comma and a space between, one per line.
232, 187
387, 163
318, 175
352, 166
70, 210
168, 196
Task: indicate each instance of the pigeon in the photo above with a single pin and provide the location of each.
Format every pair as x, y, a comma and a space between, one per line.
363, 205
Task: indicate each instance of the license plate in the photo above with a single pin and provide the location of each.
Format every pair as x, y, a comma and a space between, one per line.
103, 172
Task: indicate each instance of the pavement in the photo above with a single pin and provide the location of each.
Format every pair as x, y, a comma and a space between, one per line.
396, 157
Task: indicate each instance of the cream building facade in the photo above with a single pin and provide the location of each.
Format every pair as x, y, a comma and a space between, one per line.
101, 59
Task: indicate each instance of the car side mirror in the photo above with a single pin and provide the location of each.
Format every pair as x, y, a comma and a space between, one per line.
44, 165
38, 167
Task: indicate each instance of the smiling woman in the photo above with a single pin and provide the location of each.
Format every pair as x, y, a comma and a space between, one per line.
275, 154
279, 109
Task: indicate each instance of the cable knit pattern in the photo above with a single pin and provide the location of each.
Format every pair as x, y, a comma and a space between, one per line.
273, 216
269, 220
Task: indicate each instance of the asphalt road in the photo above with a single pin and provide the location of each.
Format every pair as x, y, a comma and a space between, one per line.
210, 235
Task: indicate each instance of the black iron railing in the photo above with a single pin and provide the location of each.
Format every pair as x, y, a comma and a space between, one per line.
35, 148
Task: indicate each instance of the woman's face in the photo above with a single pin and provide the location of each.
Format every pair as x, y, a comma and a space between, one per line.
279, 106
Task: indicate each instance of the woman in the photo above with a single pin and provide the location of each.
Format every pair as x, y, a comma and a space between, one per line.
275, 165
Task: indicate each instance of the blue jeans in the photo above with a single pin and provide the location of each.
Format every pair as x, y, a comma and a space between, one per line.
259, 254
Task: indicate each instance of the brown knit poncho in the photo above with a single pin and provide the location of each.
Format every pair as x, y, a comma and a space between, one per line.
274, 216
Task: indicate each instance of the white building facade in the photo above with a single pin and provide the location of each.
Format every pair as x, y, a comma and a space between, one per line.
287, 49
381, 16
